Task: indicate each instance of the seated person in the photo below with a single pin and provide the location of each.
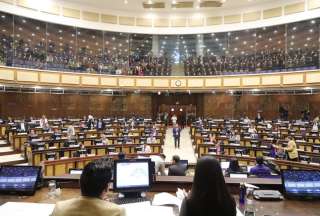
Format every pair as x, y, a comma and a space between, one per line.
315, 127
22, 126
94, 183
260, 170
234, 167
82, 152
70, 143
177, 169
71, 132
159, 161
212, 138
246, 120
252, 130
104, 139
56, 135
151, 139
121, 156
146, 149
32, 135
259, 118
291, 149
209, 195
127, 140
44, 124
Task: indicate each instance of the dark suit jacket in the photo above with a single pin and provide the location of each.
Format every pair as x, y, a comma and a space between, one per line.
176, 132
177, 170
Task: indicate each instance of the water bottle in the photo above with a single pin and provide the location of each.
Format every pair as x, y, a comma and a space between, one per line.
52, 186
242, 194
250, 209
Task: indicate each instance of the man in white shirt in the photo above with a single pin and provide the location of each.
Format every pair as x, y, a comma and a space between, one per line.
174, 119
159, 161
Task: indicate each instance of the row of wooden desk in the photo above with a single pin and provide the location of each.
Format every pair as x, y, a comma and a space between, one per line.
253, 151
281, 164
18, 140
170, 184
62, 166
37, 156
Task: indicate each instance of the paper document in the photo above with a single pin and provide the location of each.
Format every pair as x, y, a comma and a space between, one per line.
23, 209
239, 212
145, 209
166, 199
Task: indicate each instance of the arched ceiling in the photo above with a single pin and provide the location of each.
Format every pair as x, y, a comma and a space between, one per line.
177, 6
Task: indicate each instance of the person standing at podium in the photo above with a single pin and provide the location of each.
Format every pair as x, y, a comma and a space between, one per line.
94, 182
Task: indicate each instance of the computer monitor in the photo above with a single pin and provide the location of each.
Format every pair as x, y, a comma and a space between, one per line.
131, 177
184, 163
20, 180
225, 164
50, 156
75, 171
120, 140
56, 136
69, 143
81, 135
37, 146
301, 183
316, 148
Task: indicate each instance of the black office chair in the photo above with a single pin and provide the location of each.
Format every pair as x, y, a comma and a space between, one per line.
50, 156
304, 158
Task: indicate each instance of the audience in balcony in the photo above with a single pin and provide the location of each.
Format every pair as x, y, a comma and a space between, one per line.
60, 54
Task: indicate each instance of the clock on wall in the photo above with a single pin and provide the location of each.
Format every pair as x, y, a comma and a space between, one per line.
177, 83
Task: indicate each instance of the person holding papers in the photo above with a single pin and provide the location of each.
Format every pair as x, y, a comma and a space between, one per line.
94, 182
209, 195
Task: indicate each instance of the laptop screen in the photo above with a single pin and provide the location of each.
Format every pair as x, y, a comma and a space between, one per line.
301, 183
19, 179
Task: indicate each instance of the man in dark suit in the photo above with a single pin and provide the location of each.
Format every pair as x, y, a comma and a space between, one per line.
176, 135
177, 169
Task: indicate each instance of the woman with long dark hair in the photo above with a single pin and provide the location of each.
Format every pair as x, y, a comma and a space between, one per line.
209, 195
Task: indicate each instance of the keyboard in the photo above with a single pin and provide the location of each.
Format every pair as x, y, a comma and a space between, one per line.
121, 201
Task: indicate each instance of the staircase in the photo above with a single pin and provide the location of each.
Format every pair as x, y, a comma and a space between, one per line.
8, 156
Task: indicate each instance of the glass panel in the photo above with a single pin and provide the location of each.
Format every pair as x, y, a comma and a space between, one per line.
30, 43
303, 45
215, 51
142, 59
61, 48
270, 46
241, 52
89, 50
116, 52
6, 39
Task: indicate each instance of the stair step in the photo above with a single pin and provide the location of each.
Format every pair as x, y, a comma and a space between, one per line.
12, 159
3, 142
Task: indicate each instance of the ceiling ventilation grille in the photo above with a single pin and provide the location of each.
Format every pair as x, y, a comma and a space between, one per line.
182, 4
154, 5
208, 4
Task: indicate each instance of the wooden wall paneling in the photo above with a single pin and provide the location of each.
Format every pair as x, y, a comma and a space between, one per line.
20, 105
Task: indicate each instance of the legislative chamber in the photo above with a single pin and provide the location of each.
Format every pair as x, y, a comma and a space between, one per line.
160, 107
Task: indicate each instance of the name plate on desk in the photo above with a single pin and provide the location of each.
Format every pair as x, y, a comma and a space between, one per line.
236, 175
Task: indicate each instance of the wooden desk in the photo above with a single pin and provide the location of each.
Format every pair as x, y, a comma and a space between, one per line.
282, 208
62, 166
37, 156
282, 164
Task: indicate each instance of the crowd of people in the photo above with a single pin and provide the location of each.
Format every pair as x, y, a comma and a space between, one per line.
264, 61
150, 65
55, 54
